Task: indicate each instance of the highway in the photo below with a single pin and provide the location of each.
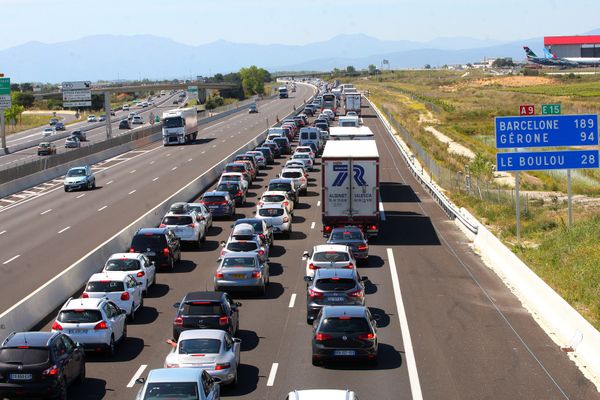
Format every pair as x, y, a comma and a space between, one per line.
448, 328
94, 135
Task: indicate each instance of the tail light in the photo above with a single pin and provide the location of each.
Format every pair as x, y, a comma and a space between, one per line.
162, 226
220, 367
256, 274
312, 266
328, 228
239, 193
131, 250
314, 294
261, 236
223, 252
286, 203
140, 274
125, 296
261, 253
166, 252
52, 371
286, 219
101, 325
178, 321
84, 295
362, 247
260, 203
172, 365
219, 275
372, 227
223, 321
356, 293
56, 326
349, 266
367, 336
319, 337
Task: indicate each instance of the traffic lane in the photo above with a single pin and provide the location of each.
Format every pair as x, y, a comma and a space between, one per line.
472, 337
16, 137
87, 226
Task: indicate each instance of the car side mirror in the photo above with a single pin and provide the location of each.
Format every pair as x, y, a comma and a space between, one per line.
140, 381
305, 256
236, 340
364, 278
376, 317
176, 305
238, 304
222, 243
121, 311
308, 279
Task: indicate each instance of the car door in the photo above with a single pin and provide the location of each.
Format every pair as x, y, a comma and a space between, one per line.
63, 359
73, 358
116, 319
149, 268
134, 289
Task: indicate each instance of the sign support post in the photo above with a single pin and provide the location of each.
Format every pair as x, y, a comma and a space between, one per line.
569, 198
107, 111
5, 103
2, 130
518, 207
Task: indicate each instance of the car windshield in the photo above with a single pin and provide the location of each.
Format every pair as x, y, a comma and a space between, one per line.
122, 264
331, 256
105, 286
290, 174
344, 325
172, 390
23, 356
242, 246
213, 199
240, 262
273, 198
201, 308
150, 241
346, 235
179, 220
280, 186
76, 172
270, 212
231, 178
199, 346
44, 144
335, 284
79, 316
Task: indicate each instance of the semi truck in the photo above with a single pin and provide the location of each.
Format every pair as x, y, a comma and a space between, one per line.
352, 102
283, 92
180, 126
350, 194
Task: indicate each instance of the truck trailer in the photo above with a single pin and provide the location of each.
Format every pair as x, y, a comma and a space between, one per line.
352, 102
350, 194
180, 126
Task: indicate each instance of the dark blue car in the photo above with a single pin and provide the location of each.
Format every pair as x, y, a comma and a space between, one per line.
219, 204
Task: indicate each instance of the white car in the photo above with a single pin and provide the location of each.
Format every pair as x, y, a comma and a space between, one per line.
98, 324
329, 113
328, 256
322, 394
185, 224
306, 149
137, 120
137, 264
48, 132
119, 287
168, 383
125, 107
305, 158
213, 350
351, 114
246, 245
131, 115
202, 212
295, 164
298, 176
260, 158
233, 177
276, 197
92, 118
277, 216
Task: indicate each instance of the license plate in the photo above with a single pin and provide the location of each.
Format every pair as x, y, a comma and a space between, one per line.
150, 253
20, 377
335, 299
213, 207
344, 353
238, 276
77, 331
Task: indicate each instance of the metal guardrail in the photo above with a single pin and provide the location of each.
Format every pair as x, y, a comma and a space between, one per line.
449, 208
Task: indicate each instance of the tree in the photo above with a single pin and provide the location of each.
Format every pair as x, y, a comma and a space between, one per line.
482, 168
372, 69
26, 87
350, 69
15, 111
14, 87
253, 80
503, 63
337, 72
427, 66
23, 99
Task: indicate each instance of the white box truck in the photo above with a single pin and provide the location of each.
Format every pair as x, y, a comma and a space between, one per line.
283, 92
350, 194
180, 126
352, 102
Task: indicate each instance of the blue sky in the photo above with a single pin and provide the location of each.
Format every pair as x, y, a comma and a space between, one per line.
293, 22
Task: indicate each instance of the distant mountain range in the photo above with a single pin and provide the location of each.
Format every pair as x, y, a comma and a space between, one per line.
112, 57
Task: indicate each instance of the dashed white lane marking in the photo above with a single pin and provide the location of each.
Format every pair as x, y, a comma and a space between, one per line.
11, 259
64, 229
8, 201
169, 154
203, 151
2, 233
102, 208
173, 169
319, 203
109, 182
155, 179
137, 374
132, 192
80, 196
189, 160
381, 212
272, 374
413, 376
132, 171
46, 212
224, 141
152, 162
312, 226
214, 145
292, 300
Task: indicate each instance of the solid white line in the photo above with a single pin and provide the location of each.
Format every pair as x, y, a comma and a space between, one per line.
11, 259
272, 374
319, 203
381, 212
2, 233
413, 376
137, 374
292, 300
109, 182
64, 229
102, 208
132, 192
46, 212
312, 226
80, 196
155, 179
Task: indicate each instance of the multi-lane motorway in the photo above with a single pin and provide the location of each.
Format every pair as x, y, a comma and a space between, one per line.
448, 328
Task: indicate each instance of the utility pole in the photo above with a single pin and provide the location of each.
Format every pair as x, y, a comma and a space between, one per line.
107, 111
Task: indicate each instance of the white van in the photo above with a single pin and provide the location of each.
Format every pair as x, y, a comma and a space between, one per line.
311, 135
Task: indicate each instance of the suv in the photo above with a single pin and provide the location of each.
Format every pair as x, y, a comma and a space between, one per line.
298, 176
284, 185
40, 364
79, 134
351, 236
185, 224
267, 153
125, 124
240, 168
79, 178
160, 245
46, 149
119, 287
206, 310
235, 190
284, 143
344, 333
136, 264
219, 203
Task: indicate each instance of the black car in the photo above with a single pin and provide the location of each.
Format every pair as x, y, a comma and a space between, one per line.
160, 245
322, 126
274, 148
268, 153
344, 333
79, 134
351, 236
125, 124
236, 191
284, 185
206, 310
39, 364
59, 126
261, 228
333, 287
284, 144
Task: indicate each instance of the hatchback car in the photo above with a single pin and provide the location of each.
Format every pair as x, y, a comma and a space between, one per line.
60, 126
236, 191
119, 287
252, 109
92, 118
39, 364
250, 167
284, 185
284, 144
261, 228
79, 134
344, 333
125, 124
137, 264
305, 158
253, 161
352, 237
202, 212
246, 244
97, 324
79, 178
242, 271
298, 176
46, 149
267, 153
269, 197
306, 149
333, 287
274, 148
186, 225
260, 158
328, 256
180, 383
48, 132
206, 310
72, 142
219, 204
137, 120
160, 245
234, 177
240, 168
277, 216
212, 350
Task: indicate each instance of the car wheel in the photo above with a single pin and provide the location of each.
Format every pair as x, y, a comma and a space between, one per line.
81, 377
66, 189
234, 382
94, 184
309, 320
124, 335
131, 316
111, 347
316, 361
262, 290
62, 390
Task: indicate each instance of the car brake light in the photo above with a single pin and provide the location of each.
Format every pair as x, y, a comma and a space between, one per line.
372, 227
219, 275
261, 253
313, 266
56, 326
357, 293
314, 294
125, 296
319, 337
349, 266
344, 318
140, 274
84, 295
166, 251
256, 274
131, 250
327, 228
222, 252
369, 336
162, 226
101, 325
286, 219
286, 203
178, 321
220, 367
362, 247
190, 225
262, 236
223, 321
52, 371
239, 193
260, 203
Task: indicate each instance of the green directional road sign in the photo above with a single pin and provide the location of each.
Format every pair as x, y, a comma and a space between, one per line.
550, 109
5, 93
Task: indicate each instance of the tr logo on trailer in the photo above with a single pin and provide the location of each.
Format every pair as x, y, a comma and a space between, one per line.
359, 175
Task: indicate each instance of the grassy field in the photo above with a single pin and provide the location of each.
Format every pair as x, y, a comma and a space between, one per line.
462, 105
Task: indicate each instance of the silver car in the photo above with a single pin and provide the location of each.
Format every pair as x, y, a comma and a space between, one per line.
249, 245
179, 383
242, 271
277, 216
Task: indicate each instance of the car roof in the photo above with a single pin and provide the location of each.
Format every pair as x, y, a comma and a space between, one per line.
33, 339
330, 247
281, 180
174, 375
129, 256
339, 311
325, 273
75, 304
216, 296
248, 254
109, 275
216, 193
321, 394
202, 334
155, 231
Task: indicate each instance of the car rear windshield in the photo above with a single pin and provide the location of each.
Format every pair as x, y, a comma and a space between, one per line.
335, 284
303, 150
202, 308
235, 168
256, 224
228, 187
344, 325
346, 235
280, 140
177, 220
331, 256
213, 199
270, 212
280, 186
242, 246
105, 286
290, 174
199, 346
273, 198
148, 241
172, 390
28, 356
248, 158
232, 262
79, 316
301, 155
122, 264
